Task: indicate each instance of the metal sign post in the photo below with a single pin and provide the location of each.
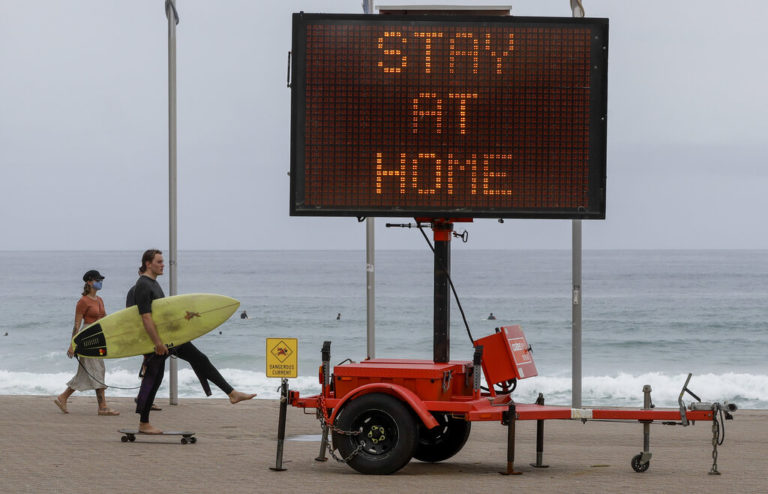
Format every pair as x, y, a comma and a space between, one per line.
173, 19
281, 427
283, 362
576, 315
370, 263
370, 288
578, 11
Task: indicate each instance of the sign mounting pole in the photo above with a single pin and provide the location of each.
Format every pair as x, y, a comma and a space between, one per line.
370, 263
578, 11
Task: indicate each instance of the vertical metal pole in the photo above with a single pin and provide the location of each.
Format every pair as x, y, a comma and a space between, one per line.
576, 316
370, 288
477, 370
173, 19
326, 360
647, 405
442, 293
281, 427
511, 421
370, 271
577, 10
539, 438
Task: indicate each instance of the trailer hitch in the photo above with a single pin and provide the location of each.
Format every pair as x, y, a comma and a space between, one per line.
683, 417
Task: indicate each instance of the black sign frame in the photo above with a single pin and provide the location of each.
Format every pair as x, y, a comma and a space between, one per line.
594, 190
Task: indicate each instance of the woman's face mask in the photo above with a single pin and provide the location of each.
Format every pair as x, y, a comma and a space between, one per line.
97, 285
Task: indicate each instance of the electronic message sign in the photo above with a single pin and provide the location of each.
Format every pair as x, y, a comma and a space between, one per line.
448, 116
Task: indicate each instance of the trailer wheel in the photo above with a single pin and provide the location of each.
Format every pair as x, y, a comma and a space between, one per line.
387, 434
443, 441
639, 467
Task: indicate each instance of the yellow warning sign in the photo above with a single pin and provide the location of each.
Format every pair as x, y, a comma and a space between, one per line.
282, 357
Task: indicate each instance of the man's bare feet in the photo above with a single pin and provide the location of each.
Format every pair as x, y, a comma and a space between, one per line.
238, 396
148, 429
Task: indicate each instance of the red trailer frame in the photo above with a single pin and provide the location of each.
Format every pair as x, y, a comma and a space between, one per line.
383, 412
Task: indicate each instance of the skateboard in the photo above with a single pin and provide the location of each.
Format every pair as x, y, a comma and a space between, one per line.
130, 435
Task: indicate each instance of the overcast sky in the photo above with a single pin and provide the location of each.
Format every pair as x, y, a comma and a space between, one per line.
83, 128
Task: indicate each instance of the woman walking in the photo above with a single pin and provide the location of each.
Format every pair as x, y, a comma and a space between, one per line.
90, 371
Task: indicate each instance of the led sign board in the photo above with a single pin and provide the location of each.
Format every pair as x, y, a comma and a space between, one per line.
448, 116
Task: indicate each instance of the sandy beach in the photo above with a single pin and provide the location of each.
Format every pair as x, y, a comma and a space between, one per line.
44, 450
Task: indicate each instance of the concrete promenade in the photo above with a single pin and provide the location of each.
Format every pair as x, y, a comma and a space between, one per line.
44, 450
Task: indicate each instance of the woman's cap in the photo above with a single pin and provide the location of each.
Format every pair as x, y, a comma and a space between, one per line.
92, 275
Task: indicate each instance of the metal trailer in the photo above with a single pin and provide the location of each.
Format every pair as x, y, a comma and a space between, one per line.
383, 412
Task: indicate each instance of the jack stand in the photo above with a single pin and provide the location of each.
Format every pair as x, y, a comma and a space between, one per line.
511, 420
281, 427
323, 445
477, 370
642, 461
326, 360
539, 438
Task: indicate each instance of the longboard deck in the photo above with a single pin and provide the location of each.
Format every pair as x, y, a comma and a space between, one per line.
130, 435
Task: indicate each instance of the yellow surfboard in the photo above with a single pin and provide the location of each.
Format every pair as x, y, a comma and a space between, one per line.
178, 319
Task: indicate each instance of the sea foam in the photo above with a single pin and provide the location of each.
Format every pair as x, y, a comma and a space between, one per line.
625, 390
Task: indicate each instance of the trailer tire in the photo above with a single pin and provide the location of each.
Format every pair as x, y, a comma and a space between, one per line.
443, 441
387, 434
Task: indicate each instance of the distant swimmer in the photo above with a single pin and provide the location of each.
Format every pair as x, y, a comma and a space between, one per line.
491, 317
338, 317
6, 333
243, 315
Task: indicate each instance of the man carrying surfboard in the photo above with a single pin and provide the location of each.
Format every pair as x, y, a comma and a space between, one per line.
142, 294
146, 290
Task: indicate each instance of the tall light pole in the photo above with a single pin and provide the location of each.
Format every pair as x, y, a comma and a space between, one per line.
173, 19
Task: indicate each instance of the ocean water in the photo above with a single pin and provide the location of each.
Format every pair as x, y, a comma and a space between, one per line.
649, 317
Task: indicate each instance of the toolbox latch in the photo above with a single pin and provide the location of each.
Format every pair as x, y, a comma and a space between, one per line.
446, 380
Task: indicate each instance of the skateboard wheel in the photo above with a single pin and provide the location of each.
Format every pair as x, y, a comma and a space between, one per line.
193, 440
183, 440
132, 438
124, 439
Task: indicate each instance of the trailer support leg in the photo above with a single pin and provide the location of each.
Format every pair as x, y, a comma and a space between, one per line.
539, 438
647, 404
323, 445
642, 461
326, 359
511, 421
281, 427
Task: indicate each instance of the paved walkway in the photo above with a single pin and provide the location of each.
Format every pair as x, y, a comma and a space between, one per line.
43, 450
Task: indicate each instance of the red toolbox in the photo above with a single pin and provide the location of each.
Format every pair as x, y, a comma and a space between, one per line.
430, 381
506, 355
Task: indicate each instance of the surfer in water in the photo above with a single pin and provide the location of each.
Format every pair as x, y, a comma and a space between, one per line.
90, 371
142, 294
